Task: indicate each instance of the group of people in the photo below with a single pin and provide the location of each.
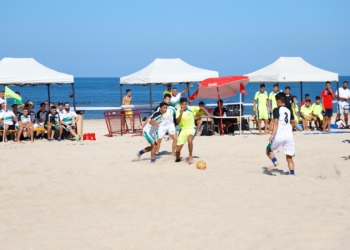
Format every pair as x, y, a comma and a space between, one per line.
320, 112
24, 124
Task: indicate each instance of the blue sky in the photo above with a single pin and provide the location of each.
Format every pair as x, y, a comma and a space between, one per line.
116, 38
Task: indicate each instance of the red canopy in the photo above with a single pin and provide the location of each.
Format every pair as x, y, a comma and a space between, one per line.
221, 87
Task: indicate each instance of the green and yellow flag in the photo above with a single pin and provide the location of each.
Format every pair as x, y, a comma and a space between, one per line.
10, 94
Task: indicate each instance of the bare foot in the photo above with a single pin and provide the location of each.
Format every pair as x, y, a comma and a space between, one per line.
190, 160
137, 157
273, 166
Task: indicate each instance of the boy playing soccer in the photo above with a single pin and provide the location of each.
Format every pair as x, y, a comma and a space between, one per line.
185, 118
150, 132
282, 135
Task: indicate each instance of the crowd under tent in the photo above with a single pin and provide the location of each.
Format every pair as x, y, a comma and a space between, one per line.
164, 71
292, 70
29, 72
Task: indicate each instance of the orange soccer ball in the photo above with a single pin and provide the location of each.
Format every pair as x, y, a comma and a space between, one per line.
201, 165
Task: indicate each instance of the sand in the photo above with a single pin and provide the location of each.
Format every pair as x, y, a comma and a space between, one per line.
90, 195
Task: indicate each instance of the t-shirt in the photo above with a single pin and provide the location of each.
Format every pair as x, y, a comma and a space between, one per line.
295, 109
283, 115
168, 116
261, 99
18, 115
216, 112
7, 117
289, 101
52, 118
175, 100
306, 110
157, 117
343, 93
327, 99
41, 115
67, 117
317, 108
166, 92
2, 101
187, 119
272, 98
32, 116
24, 119
200, 113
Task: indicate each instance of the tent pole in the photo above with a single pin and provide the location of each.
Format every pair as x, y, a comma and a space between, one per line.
240, 113
120, 94
188, 92
150, 98
220, 109
301, 92
74, 104
48, 94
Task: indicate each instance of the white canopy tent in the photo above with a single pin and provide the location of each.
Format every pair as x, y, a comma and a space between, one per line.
164, 71
292, 70
27, 71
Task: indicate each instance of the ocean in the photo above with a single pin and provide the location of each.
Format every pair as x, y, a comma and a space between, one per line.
104, 92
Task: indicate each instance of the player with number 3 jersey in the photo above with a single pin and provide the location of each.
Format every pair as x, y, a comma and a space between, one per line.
282, 135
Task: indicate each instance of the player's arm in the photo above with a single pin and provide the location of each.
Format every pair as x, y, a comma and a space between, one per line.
130, 100
323, 104
332, 92
206, 112
186, 89
123, 102
276, 116
268, 105
47, 119
15, 118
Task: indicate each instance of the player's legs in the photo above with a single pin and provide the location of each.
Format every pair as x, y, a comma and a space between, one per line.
178, 152
49, 134
131, 117
6, 128
199, 126
173, 146
181, 140
160, 134
60, 130
290, 162
271, 156
30, 130
266, 123
258, 122
159, 141
345, 112
190, 139
20, 130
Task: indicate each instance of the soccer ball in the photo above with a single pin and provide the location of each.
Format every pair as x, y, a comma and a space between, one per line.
201, 165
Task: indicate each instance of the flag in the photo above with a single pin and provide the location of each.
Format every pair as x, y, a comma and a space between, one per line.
10, 94
242, 89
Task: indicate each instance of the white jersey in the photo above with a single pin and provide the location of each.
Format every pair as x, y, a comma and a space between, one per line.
24, 119
7, 117
175, 100
284, 119
2, 101
67, 117
157, 117
168, 116
343, 93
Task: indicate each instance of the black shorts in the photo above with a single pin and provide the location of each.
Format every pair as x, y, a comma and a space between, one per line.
328, 113
10, 127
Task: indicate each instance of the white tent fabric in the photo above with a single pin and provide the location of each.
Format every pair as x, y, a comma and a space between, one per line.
292, 69
163, 71
27, 71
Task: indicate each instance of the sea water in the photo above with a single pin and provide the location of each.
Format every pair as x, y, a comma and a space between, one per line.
105, 92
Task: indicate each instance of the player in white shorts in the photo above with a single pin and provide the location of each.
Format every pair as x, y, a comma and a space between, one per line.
150, 132
167, 125
282, 135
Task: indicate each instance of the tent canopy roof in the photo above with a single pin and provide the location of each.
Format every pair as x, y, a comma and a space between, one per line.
163, 71
292, 69
27, 71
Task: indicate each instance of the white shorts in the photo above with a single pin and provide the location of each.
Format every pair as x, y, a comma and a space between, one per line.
341, 109
150, 136
282, 141
167, 128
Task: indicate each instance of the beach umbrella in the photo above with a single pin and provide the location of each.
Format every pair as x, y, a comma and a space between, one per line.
221, 87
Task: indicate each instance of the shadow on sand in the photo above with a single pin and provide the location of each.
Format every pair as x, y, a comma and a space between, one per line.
274, 171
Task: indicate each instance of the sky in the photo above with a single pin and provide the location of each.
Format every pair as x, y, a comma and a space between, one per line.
116, 38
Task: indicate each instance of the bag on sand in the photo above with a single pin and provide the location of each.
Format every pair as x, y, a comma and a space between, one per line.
206, 130
340, 123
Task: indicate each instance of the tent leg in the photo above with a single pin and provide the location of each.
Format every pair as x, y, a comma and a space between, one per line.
74, 103
48, 94
121, 94
301, 92
150, 98
188, 92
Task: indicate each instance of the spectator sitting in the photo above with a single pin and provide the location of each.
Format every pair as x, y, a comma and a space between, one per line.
53, 124
306, 112
317, 113
7, 118
198, 119
297, 118
216, 112
19, 103
307, 97
41, 118
17, 114
68, 120
60, 108
25, 123
28, 106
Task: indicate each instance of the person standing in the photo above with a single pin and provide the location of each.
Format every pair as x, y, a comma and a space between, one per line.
168, 90
261, 100
289, 102
272, 99
175, 97
127, 100
327, 103
343, 95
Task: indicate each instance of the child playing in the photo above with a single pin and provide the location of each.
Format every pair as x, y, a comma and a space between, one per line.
282, 135
150, 132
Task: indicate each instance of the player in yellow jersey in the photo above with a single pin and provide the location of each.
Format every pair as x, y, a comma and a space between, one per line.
261, 107
272, 99
306, 112
317, 113
185, 118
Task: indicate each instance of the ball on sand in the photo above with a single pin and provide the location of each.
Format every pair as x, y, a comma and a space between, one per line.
201, 165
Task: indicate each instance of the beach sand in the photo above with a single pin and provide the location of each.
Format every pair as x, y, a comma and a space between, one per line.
90, 195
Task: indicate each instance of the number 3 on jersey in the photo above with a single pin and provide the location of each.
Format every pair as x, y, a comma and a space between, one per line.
286, 117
